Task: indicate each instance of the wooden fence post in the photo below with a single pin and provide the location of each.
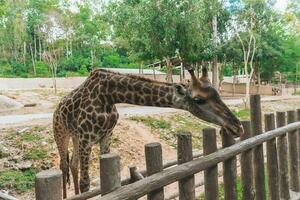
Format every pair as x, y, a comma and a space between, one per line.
282, 159
48, 185
229, 169
246, 165
154, 164
272, 163
293, 153
258, 154
298, 142
210, 174
185, 154
110, 177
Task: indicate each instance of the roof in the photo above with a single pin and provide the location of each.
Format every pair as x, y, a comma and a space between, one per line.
133, 71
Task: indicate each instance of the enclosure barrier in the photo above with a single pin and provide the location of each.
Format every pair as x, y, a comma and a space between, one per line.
282, 170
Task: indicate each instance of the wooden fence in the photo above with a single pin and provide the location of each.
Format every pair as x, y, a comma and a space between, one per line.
281, 174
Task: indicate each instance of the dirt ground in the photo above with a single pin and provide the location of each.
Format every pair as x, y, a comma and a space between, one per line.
30, 145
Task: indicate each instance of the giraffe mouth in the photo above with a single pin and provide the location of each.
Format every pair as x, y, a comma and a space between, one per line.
234, 130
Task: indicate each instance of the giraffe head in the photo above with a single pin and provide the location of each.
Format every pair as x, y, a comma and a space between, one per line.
203, 101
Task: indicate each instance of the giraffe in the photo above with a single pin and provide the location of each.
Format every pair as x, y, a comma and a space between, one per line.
88, 114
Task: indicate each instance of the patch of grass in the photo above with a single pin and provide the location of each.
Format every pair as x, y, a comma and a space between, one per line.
35, 153
152, 122
31, 137
221, 193
242, 113
187, 122
170, 126
21, 181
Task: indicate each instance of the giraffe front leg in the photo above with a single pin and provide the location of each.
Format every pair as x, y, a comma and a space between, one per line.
84, 154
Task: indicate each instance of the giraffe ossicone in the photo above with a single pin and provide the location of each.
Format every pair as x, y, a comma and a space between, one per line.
88, 114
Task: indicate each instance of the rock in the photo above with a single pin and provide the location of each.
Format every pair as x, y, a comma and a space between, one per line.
4, 152
294, 195
5, 195
2, 161
42, 85
95, 182
16, 159
24, 165
7, 103
24, 130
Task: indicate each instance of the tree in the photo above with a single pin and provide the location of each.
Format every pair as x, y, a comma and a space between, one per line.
52, 58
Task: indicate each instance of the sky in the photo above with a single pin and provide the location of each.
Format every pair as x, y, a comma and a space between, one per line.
281, 5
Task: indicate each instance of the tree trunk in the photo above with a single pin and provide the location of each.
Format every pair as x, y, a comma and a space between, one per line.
92, 58
215, 60
71, 49
40, 49
197, 69
141, 68
67, 50
24, 55
248, 79
32, 59
169, 77
233, 85
53, 69
258, 80
35, 52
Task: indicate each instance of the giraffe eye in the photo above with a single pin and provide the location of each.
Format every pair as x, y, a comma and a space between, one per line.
199, 101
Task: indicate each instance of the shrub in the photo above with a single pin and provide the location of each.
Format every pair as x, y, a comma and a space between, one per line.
42, 69
6, 69
19, 69
61, 73
83, 70
74, 63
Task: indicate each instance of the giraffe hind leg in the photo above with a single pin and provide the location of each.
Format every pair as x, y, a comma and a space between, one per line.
84, 154
62, 142
75, 163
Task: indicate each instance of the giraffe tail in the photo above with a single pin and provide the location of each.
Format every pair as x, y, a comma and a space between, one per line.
68, 171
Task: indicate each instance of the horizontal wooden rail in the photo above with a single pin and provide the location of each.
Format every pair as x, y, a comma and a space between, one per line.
168, 176
97, 191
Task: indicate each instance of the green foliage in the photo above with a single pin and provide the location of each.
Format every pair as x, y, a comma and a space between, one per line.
21, 181
152, 122
31, 137
242, 113
83, 70
74, 63
5, 69
35, 153
42, 70
174, 70
125, 33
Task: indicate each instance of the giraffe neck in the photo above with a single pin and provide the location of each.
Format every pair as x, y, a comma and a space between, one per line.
119, 88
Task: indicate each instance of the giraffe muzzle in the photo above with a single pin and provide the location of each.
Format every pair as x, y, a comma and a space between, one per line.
235, 130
